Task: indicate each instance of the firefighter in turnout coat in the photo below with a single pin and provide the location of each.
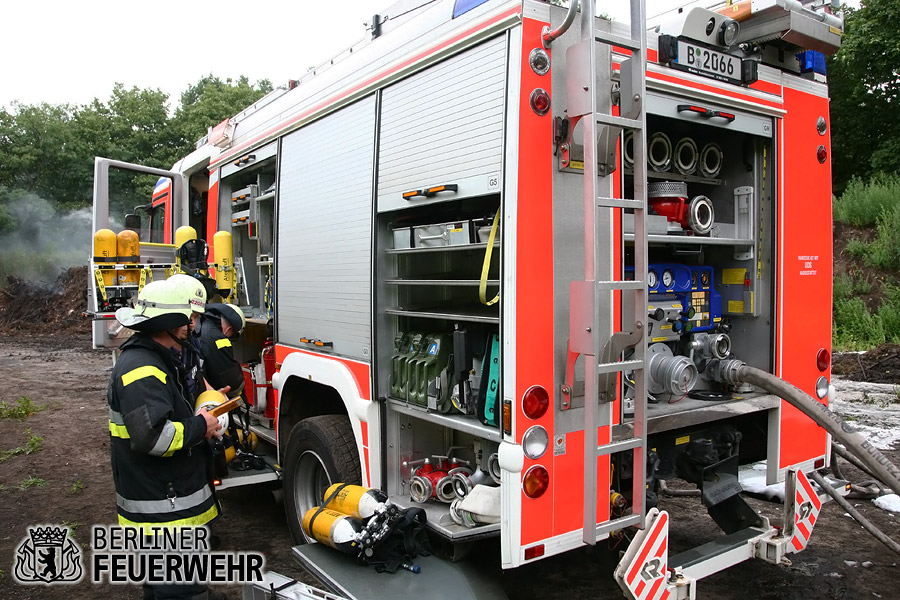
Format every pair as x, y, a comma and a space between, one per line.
160, 460
218, 326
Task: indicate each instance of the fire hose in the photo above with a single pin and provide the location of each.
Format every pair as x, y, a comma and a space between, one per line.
734, 372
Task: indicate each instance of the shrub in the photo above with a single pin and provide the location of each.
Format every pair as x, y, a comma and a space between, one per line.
884, 251
857, 249
850, 286
855, 328
889, 313
862, 203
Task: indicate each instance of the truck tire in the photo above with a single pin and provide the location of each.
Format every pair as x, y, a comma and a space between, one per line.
320, 451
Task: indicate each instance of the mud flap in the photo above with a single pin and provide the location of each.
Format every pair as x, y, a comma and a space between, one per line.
643, 571
802, 512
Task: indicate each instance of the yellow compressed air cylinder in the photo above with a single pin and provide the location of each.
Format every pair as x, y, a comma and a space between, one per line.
105, 252
224, 255
354, 500
182, 235
332, 528
129, 253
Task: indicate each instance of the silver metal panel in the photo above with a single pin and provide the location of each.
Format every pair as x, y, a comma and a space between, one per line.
439, 579
250, 158
748, 123
444, 126
323, 281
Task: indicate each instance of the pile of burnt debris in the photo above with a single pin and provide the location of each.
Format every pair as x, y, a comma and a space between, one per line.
46, 308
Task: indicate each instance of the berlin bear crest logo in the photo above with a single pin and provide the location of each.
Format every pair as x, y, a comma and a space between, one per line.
48, 555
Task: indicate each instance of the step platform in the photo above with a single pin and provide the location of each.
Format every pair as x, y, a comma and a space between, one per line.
438, 580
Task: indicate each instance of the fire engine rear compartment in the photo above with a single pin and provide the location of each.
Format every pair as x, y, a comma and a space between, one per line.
438, 190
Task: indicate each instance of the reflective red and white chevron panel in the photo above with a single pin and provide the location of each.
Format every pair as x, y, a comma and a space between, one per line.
806, 511
646, 575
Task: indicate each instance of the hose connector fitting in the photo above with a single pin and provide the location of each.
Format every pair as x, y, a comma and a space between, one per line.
725, 371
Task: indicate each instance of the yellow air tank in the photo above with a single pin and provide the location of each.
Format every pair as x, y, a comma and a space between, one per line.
182, 235
129, 253
105, 252
332, 528
223, 252
355, 500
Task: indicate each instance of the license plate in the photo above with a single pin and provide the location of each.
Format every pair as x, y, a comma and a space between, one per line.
709, 63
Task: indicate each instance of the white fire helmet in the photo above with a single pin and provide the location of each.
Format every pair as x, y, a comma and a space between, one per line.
164, 305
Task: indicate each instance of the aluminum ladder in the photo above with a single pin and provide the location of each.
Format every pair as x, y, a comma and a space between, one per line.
591, 329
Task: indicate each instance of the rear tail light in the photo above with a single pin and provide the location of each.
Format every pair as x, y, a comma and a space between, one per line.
540, 101
536, 481
823, 359
534, 552
535, 402
822, 154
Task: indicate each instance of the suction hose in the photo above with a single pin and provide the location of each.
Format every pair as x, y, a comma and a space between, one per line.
735, 371
867, 525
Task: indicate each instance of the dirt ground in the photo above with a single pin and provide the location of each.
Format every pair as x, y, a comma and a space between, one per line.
62, 374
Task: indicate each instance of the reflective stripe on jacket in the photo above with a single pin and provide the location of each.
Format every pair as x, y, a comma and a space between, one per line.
161, 462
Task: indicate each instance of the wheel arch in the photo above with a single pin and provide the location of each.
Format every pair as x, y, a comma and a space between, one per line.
311, 385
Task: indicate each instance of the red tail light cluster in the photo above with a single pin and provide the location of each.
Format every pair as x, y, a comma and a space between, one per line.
823, 359
535, 402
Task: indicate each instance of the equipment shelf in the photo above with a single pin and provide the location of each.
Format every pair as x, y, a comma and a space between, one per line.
448, 313
691, 240
445, 282
464, 423
479, 246
439, 520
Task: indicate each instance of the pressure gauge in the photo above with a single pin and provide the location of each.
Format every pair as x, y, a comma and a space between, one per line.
652, 279
668, 279
704, 279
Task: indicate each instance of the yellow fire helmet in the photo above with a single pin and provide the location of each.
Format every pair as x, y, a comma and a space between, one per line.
164, 305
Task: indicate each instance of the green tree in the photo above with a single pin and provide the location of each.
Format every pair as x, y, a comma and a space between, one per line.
864, 77
36, 149
208, 102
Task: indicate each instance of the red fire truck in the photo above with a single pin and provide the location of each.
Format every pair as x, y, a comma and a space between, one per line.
503, 259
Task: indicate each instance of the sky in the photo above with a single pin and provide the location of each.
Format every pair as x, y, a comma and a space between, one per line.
72, 52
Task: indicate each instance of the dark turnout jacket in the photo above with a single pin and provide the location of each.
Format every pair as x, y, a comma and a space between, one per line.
159, 458
219, 365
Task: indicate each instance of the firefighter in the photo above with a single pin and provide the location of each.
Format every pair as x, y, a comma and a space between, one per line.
160, 461
218, 327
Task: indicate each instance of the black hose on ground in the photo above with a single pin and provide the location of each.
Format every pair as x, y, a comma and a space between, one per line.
864, 490
867, 525
735, 372
843, 453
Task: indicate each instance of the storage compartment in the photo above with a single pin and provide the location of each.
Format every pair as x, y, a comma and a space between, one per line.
710, 274
438, 279
247, 186
442, 131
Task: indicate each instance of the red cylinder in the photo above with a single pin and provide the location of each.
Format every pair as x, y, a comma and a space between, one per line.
268, 359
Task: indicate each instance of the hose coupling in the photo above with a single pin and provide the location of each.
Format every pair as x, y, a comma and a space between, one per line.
725, 371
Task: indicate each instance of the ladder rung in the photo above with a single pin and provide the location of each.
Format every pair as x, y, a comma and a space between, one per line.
604, 119
620, 446
617, 40
621, 285
619, 366
619, 203
617, 525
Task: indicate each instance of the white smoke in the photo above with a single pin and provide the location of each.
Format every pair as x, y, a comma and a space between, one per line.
43, 243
